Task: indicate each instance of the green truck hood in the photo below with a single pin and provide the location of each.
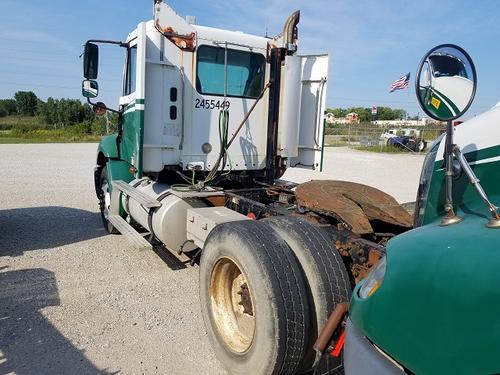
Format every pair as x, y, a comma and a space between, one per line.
438, 308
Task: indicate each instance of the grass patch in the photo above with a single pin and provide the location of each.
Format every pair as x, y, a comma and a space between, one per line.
46, 136
337, 144
24, 122
16, 140
383, 149
31, 129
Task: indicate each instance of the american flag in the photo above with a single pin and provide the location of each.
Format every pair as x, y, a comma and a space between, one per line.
400, 83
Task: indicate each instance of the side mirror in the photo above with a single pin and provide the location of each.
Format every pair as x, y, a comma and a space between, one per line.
446, 82
90, 89
90, 61
445, 86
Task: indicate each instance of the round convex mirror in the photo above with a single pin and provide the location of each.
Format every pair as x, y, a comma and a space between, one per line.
446, 82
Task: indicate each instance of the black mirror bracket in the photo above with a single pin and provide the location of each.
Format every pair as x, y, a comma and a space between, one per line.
107, 108
494, 221
451, 217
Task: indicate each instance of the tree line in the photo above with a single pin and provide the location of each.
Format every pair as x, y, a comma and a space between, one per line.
62, 112
67, 112
365, 114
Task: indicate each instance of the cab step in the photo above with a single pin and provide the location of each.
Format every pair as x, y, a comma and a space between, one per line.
137, 195
132, 236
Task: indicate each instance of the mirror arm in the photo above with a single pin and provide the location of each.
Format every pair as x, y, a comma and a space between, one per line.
451, 217
107, 109
475, 182
103, 41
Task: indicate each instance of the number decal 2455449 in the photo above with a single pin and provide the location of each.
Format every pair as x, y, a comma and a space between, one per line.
211, 104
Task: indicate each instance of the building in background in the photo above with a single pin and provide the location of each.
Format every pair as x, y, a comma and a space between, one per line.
350, 118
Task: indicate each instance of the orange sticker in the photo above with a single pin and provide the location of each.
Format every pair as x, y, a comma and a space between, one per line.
435, 103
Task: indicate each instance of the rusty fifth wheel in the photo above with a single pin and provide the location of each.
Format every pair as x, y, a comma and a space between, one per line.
253, 298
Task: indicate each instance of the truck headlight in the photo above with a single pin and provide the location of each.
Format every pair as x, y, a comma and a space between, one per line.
374, 280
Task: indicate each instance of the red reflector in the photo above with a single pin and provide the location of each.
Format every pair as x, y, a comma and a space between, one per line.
251, 216
339, 345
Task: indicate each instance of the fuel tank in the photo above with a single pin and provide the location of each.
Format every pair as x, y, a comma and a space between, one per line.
167, 222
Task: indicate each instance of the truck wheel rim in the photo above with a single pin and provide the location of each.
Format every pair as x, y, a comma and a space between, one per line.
107, 199
232, 306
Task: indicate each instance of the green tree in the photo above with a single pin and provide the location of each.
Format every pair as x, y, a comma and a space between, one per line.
8, 106
65, 112
337, 112
48, 111
26, 102
399, 114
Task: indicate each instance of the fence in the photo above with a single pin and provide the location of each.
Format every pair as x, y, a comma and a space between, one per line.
377, 138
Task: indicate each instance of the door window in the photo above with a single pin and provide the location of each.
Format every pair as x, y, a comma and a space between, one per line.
130, 78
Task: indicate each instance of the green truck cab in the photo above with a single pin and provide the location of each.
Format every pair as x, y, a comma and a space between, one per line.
431, 305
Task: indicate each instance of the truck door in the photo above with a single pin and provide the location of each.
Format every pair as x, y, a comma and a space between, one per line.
132, 101
312, 108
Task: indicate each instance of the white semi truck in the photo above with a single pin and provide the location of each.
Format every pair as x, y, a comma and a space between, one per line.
208, 122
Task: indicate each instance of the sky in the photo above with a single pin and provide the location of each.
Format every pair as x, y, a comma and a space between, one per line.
371, 43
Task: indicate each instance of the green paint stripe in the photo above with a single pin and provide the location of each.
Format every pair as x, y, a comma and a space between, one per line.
134, 102
482, 154
477, 155
447, 101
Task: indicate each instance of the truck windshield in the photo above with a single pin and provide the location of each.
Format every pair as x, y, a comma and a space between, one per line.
245, 72
447, 66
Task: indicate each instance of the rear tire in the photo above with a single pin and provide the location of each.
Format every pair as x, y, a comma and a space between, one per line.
412, 145
326, 276
104, 195
253, 300
421, 145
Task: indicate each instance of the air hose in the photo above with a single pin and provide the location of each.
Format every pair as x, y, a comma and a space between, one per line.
211, 176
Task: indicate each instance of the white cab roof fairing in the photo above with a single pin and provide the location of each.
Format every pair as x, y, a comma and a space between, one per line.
167, 21
211, 35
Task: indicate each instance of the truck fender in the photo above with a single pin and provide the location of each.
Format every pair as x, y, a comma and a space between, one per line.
108, 147
107, 155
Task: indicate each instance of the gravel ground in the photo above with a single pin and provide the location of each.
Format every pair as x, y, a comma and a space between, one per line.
396, 174
74, 300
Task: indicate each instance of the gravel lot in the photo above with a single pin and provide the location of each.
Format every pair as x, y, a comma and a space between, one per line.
74, 300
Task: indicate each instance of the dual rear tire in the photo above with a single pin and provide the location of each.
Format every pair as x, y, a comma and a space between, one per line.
267, 288
253, 299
